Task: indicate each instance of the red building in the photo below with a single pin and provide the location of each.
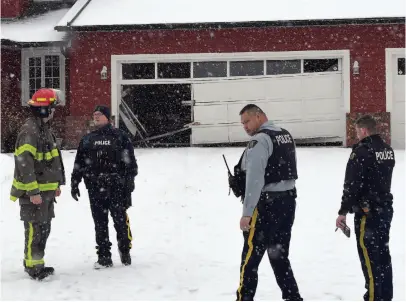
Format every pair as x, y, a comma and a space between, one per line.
312, 69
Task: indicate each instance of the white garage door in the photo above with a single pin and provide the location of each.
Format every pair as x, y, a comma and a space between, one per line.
398, 103
309, 105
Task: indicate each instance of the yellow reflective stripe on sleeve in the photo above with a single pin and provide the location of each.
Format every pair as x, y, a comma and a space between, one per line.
34, 185
13, 198
49, 186
47, 155
25, 187
26, 147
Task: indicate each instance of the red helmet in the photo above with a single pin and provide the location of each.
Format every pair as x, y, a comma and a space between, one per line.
46, 97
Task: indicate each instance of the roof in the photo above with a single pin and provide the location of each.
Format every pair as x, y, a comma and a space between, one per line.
35, 29
100, 13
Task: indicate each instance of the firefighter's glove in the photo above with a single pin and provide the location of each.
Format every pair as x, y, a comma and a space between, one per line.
75, 193
233, 183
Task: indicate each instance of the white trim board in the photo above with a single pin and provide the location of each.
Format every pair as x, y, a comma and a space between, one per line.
390, 53
117, 60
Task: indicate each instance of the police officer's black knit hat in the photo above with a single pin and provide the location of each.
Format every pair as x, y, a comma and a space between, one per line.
103, 109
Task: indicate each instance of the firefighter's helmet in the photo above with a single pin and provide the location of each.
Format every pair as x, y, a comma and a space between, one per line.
45, 97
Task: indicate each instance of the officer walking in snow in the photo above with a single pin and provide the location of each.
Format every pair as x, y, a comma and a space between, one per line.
265, 180
105, 160
38, 175
367, 194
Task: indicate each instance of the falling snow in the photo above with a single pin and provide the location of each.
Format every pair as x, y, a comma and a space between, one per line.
187, 244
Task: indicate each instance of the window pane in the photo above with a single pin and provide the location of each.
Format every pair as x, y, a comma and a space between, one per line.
48, 82
135, 71
209, 69
322, 65
401, 66
51, 60
48, 72
173, 70
38, 72
55, 83
55, 60
31, 61
31, 72
282, 67
246, 68
37, 83
34, 62
55, 72
32, 84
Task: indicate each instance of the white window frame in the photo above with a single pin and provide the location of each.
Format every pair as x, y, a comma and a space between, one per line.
26, 54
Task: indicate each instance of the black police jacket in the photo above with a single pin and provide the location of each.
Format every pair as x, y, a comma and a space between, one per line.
368, 176
106, 153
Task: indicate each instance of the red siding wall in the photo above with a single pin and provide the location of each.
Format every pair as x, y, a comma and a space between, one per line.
367, 44
14, 8
12, 115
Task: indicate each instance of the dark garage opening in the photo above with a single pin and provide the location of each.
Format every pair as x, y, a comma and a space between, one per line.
161, 110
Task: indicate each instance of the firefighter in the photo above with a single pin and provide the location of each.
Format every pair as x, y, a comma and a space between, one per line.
38, 175
367, 194
106, 162
265, 179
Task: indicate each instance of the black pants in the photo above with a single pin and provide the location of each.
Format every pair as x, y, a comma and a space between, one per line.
270, 231
372, 234
102, 202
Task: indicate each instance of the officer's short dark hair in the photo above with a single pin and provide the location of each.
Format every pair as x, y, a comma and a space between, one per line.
367, 122
251, 108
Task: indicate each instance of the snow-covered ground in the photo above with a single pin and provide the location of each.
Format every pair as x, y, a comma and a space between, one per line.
187, 243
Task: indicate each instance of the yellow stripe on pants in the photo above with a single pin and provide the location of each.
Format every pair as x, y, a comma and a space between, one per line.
371, 288
29, 262
250, 249
128, 229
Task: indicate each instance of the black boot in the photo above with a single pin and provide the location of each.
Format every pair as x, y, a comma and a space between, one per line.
39, 273
125, 258
103, 262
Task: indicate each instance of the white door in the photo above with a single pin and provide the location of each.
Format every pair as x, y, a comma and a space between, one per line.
398, 102
308, 105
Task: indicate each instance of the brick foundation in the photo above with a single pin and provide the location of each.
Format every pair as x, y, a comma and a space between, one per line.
383, 121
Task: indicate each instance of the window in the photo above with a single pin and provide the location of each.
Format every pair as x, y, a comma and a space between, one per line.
209, 69
138, 71
246, 68
320, 65
283, 67
173, 70
401, 66
41, 67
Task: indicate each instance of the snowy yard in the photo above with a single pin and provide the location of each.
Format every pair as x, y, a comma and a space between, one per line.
187, 244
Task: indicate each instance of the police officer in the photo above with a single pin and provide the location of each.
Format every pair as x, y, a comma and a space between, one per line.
367, 194
105, 160
265, 180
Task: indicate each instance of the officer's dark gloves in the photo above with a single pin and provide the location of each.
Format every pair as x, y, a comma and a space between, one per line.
75, 193
129, 185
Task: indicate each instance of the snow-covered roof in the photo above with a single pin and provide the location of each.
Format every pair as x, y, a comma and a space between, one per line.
34, 29
149, 12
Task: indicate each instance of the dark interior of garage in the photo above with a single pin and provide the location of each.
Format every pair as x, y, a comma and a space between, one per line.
161, 113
